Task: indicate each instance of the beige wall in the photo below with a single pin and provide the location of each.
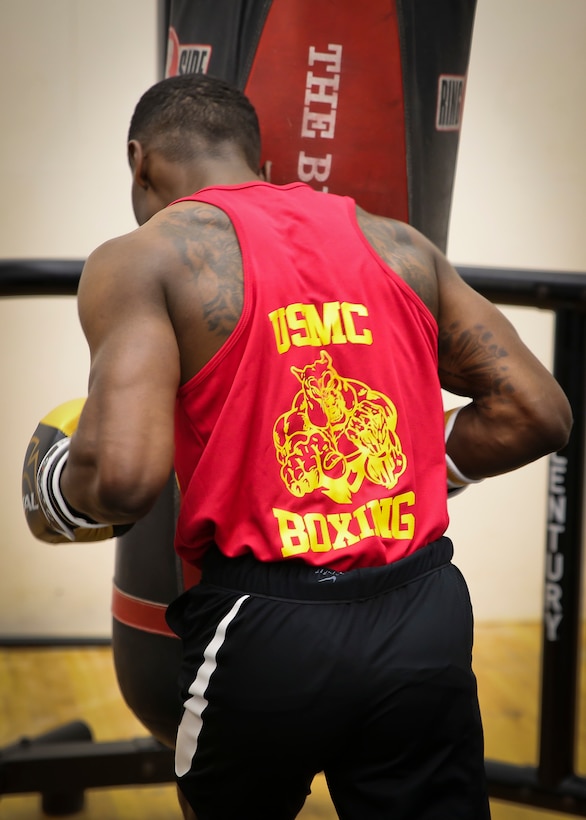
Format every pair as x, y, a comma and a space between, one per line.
70, 73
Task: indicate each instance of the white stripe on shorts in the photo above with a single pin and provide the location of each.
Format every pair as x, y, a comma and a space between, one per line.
191, 722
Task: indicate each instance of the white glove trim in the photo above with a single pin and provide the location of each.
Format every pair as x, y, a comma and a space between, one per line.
456, 478
52, 501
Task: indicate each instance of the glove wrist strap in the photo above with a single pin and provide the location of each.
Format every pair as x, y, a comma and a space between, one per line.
456, 478
56, 509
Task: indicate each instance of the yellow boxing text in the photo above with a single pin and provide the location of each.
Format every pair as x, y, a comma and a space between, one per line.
384, 517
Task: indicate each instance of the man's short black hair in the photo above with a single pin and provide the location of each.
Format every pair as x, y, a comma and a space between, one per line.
177, 113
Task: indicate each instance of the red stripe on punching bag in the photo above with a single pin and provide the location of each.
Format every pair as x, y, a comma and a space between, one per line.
147, 616
327, 85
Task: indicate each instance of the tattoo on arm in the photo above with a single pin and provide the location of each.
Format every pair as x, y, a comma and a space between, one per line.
470, 356
206, 243
393, 243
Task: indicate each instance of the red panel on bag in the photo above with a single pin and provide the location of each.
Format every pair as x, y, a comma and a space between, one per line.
327, 85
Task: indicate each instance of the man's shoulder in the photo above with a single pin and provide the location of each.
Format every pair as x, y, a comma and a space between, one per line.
406, 251
140, 252
392, 230
186, 217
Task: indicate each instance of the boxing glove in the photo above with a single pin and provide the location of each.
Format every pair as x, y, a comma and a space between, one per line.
457, 481
48, 515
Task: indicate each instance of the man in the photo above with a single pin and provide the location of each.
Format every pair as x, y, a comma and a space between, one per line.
284, 351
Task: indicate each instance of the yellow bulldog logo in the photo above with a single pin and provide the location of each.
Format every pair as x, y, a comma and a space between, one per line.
338, 433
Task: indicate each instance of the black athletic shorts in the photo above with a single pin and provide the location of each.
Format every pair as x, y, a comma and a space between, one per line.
289, 670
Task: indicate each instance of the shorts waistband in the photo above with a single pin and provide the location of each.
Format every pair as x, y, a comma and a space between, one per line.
296, 580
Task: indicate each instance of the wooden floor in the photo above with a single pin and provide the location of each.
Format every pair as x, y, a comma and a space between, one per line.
43, 688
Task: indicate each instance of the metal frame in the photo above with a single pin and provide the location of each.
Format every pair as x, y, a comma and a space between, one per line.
553, 783
62, 764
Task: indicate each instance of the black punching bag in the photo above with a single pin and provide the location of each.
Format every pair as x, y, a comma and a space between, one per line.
358, 99
148, 575
363, 99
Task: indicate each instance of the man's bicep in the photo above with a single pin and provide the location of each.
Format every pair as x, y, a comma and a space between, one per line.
480, 352
136, 361
115, 288
132, 343
134, 371
518, 412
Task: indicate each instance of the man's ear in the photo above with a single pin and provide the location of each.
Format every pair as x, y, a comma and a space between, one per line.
265, 171
138, 163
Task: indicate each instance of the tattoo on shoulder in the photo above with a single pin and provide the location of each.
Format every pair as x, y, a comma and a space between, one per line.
393, 243
469, 354
208, 248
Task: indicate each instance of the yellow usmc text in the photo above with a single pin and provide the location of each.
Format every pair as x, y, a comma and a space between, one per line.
304, 325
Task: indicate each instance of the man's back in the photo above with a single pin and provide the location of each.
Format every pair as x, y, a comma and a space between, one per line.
205, 284
325, 398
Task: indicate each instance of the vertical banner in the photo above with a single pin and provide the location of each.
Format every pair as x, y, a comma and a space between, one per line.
364, 100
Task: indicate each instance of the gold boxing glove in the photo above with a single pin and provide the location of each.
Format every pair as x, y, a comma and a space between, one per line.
48, 515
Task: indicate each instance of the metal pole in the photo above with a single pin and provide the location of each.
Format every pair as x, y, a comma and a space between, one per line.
563, 564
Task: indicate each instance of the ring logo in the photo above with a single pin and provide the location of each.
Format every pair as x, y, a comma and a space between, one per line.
554, 559
450, 100
186, 59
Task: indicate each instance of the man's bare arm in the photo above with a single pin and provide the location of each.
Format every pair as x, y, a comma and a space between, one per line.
122, 453
518, 412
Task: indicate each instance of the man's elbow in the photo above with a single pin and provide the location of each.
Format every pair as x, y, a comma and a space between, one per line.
561, 430
113, 495
554, 425
121, 501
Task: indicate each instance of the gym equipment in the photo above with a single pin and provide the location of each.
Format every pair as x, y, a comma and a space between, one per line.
366, 101
47, 514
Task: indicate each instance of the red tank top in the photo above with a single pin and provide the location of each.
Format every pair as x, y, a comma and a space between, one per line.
316, 431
